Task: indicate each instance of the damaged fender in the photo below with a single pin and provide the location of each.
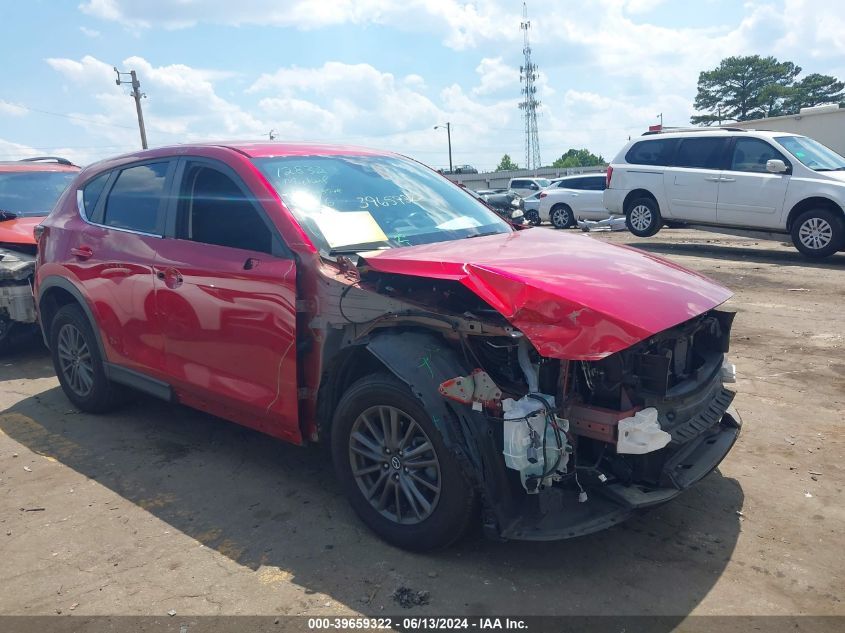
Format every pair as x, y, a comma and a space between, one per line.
423, 361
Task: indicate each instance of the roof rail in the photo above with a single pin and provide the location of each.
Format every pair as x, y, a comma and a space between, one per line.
693, 129
58, 159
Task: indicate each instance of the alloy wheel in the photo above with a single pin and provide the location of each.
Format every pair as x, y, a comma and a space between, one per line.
815, 233
560, 217
75, 360
394, 464
641, 217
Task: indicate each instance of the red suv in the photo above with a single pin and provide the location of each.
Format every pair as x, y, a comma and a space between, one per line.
28, 190
459, 366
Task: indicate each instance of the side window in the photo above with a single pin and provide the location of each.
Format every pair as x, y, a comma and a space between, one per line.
91, 193
213, 209
572, 183
595, 183
135, 200
657, 152
751, 154
701, 153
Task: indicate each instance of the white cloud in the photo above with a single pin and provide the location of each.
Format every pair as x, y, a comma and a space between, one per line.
461, 24
11, 109
92, 33
495, 76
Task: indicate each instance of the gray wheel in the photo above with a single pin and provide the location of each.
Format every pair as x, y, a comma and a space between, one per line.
642, 217
819, 233
391, 461
561, 216
394, 464
75, 361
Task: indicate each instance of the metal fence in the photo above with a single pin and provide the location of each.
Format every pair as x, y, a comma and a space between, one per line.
500, 179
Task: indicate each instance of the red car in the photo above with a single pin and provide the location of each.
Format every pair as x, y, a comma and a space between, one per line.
28, 190
459, 366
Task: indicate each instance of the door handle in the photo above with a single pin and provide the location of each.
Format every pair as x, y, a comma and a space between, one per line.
82, 252
712, 179
728, 179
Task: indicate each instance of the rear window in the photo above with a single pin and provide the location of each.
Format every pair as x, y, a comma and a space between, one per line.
656, 152
701, 153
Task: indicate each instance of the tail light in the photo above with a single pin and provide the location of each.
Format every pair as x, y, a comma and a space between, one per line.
609, 175
543, 195
38, 231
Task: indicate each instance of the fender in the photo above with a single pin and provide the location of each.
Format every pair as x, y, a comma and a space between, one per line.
423, 360
64, 283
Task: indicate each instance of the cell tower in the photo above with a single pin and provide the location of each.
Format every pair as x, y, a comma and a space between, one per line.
527, 77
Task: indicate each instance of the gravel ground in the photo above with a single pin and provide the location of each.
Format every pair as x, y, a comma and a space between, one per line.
158, 508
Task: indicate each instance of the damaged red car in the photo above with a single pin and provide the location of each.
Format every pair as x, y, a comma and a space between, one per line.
461, 368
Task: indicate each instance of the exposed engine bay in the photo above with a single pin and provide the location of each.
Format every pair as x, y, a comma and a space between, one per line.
17, 266
559, 447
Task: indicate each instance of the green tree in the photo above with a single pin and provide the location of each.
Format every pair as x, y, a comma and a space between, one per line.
816, 89
744, 88
506, 164
578, 158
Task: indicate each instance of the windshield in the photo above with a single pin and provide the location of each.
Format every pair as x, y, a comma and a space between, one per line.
543, 182
31, 193
812, 153
349, 203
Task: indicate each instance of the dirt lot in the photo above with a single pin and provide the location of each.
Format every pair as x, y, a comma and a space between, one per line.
159, 507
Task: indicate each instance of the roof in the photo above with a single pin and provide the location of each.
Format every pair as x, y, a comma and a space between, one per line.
696, 132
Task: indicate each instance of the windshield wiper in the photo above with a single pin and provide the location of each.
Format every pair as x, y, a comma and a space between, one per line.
356, 248
469, 237
7, 215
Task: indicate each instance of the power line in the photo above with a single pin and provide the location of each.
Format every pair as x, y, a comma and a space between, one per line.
69, 116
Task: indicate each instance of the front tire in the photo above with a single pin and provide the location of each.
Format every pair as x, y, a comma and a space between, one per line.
78, 364
642, 217
533, 218
561, 216
400, 478
818, 233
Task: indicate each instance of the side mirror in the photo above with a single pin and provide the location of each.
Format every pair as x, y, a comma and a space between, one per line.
776, 166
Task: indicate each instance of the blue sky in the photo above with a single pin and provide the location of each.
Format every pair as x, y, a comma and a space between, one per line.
378, 73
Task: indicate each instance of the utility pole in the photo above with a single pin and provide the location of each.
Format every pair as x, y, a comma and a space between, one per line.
272, 135
448, 127
660, 116
136, 93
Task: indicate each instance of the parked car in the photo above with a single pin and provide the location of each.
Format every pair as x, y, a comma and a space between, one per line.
573, 198
28, 190
459, 169
527, 186
531, 208
766, 184
459, 367
508, 205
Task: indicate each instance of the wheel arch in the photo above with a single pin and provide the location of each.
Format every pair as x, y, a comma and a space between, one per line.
637, 193
813, 202
55, 293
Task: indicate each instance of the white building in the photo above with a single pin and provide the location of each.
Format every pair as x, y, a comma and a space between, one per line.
826, 124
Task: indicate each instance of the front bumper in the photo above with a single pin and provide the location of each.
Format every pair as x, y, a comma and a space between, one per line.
559, 515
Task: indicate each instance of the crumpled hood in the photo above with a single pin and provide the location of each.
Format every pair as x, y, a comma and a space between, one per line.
573, 296
19, 230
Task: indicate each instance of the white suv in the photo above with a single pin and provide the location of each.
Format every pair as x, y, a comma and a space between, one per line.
527, 186
766, 184
573, 198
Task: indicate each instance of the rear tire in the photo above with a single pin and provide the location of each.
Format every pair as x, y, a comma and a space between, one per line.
390, 459
819, 233
642, 217
78, 364
561, 216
